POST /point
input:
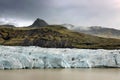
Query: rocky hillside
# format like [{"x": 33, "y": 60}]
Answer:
[{"x": 54, "y": 36}]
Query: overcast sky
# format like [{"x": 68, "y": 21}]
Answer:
[{"x": 77, "y": 12}]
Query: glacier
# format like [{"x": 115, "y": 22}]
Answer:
[{"x": 32, "y": 57}]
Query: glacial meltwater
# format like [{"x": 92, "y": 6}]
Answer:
[{"x": 61, "y": 74}]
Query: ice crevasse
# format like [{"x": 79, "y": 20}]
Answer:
[{"x": 37, "y": 57}]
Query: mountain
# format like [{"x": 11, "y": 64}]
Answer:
[
  {"x": 96, "y": 31},
  {"x": 39, "y": 23},
  {"x": 54, "y": 36},
  {"x": 102, "y": 32},
  {"x": 7, "y": 25}
]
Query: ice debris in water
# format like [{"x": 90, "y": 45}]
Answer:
[{"x": 36, "y": 57}]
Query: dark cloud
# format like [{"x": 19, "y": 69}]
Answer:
[
  {"x": 77, "y": 12},
  {"x": 22, "y": 8}
]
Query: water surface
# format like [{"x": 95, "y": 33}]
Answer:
[{"x": 61, "y": 74}]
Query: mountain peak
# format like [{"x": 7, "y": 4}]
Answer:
[
  {"x": 38, "y": 19},
  {"x": 39, "y": 23}
]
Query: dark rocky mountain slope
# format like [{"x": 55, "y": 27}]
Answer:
[{"x": 39, "y": 23}]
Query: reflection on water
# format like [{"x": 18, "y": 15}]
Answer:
[{"x": 61, "y": 74}]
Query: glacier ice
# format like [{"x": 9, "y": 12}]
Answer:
[{"x": 36, "y": 57}]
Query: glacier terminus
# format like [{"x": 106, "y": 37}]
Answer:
[{"x": 32, "y": 57}]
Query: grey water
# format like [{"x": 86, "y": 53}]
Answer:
[{"x": 62, "y": 74}]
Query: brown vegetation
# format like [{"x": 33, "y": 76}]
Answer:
[{"x": 54, "y": 36}]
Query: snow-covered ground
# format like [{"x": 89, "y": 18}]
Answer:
[{"x": 36, "y": 57}]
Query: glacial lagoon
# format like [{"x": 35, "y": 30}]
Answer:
[{"x": 61, "y": 74}]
